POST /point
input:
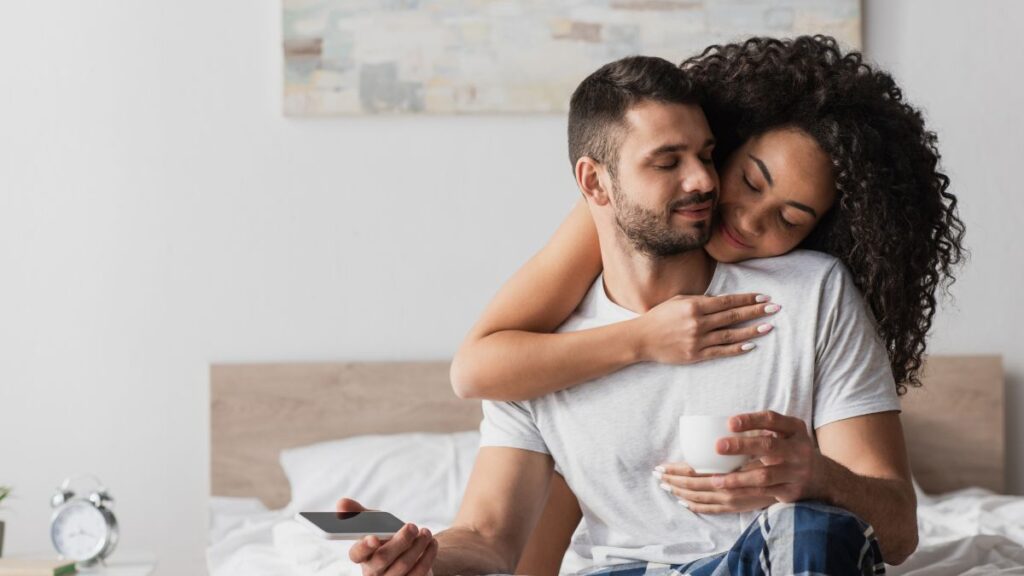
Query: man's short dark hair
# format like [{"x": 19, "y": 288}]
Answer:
[{"x": 598, "y": 107}]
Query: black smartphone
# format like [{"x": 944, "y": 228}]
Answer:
[{"x": 351, "y": 525}]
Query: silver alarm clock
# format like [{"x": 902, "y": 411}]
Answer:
[{"x": 83, "y": 529}]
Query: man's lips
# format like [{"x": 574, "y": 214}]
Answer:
[
  {"x": 696, "y": 211},
  {"x": 733, "y": 238}
]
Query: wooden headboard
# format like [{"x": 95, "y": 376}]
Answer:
[
  {"x": 954, "y": 425},
  {"x": 258, "y": 410}
]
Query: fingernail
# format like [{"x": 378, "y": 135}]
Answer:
[
  {"x": 748, "y": 346},
  {"x": 764, "y": 328},
  {"x": 656, "y": 474},
  {"x": 717, "y": 481},
  {"x": 659, "y": 469},
  {"x": 684, "y": 504},
  {"x": 666, "y": 487},
  {"x": 413, "y": 529},
  {"x": 762, "y": 298},
  {"x": 772, "y": 308}
]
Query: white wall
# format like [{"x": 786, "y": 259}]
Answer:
[
  {"x": 961, "y": 63},
  {"x": 158, "y": 214}
]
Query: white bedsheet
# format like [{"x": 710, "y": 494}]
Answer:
[
  {"x": 969, "y": 532},
  {"x": 247, "y": 539}
]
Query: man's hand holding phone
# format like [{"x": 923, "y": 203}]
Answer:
[{"x": 411, "y": 551}]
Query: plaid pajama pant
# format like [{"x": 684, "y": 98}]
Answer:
[{"x": 804, "y": 538}]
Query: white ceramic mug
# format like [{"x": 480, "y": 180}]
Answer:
[{"x": 698, "y": 436}]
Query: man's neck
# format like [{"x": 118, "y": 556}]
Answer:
[{"x": 639, "y": 282}]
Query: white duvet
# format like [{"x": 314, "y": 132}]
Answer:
[
  {"x": 968, "y": 532},
  {"x": 247, "y": 539}
]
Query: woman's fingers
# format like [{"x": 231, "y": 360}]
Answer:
[
  {"x": 734, "y": 316},
  {"x": 720, "y": 341},
  {"x": 713, "y": 304},
  {"x": 711, "y": 508},
  {"x": 676, "y": 469},
  {"x": 734, "y": 498},
  {"x": 725, "y": 351},
  {"x": 719, "y": 502},
  {"x": 726, "y": 336},
  {"x": 682, "y": 329},
  {"x": 735, "y": 341},
  {"x": 698, "y": 492},
  {"x": 728, "y": 509}
]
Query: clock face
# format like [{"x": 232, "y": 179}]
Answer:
[{"x": 79, "y": 531}]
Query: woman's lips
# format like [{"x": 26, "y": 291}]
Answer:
[{"x": 732, "y": 238}]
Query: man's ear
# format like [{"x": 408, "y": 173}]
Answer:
[{"x": 593, "y": 180}]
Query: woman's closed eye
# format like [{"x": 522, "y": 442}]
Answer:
[
  {"x": 786, "y": 223},
  {"x": 746, "y": 180}
]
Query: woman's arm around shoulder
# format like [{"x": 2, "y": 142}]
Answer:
[{"x": 511, "y": 353}]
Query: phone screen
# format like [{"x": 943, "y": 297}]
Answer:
[{"x": 355, "y": 522}]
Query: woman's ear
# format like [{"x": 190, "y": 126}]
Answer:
[{"x": 593, "y": 180}]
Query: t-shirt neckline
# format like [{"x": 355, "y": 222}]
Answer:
[{"x": 607, "y": 305}]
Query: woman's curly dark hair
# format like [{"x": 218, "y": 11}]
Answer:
[{"x": 894, "y": 224}]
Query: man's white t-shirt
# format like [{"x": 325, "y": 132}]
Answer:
[{"x": 823, "y": 362}]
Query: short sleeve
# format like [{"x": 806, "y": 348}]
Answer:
[
  {"x": 511, "y": 425},
  {"x": 853, "y": 376}
]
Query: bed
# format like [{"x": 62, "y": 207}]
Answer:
[{"x": 289, "y": 437}]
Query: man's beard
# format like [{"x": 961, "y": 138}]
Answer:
[{"x": 651, "y": 233}]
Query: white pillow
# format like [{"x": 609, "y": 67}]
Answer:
[{"x": 418, "y": 477}]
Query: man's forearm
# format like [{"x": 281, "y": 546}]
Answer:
[
  {"x": 466, "y": 551},
  {"x": 890, "y": 506}
]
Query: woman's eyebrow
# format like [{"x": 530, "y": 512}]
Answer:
[
  {"x": 764, "y": 170},
  {"x": 803, "y": 207}
]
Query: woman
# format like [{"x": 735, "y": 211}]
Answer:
[{"x": 816, "y": 150}]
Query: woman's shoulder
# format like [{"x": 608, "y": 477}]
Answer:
[
  {"x": 798, "y": 264},
  {"x": 800, "y": 276}
]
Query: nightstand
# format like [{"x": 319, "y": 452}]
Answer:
[
  {"x": 120, "y": 564},
  {"x": 120, "y": 568}
]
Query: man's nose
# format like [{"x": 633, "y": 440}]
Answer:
[{"x": 701, "y": 178}]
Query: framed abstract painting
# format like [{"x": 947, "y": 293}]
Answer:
[{"x": 345, "y": 57}]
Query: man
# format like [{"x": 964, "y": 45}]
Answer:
[{"x": 640, "y": 144}]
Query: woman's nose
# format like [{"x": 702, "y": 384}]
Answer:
[{"x": 749, "y": 223}]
